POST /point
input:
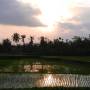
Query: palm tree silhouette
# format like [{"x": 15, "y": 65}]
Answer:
[
  {"x": 16, "y": 37},
  {"x": 31, "y": 40},
  {"x": 23, "y": 39}
]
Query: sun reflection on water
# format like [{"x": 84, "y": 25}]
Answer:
[
  {"x": 27, "y": 80},
  {"x": 49, "y": 80}
]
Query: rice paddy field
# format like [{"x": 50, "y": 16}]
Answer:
[
  {"x": 45, "y": 73},
  {"x": 62, "y": 64}
]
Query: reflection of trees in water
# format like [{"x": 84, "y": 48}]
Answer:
[{"x": 38, "y": 67}]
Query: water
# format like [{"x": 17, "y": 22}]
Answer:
[
  {"x": 47, "y": 67},
  {"x": 29, "y": 80},
  {"x": 33, "y": 75}
]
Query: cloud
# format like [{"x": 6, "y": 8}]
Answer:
[
  {"x": 82, "y": 14},
  {"x": 79, "y": 24},
  {"x": 14, "y": 13},
  {"x": 82, "y": 19}
]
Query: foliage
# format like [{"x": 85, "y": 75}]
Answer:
[{"x": 76, "y": 46}]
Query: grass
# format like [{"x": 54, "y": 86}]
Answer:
[{"x": 61, "y": 64}]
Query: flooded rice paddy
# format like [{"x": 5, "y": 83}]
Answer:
[
  {"x": 38, "y": 74},
  {"x": 27, "y": 80}
]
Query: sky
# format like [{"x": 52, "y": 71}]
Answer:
[{"x": 49, "y": 18}]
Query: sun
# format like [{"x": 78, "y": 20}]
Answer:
[{"x": 52, "y": 11}]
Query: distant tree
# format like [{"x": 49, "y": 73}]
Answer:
[
  {"x": 56, "y": 42},
  {"x": 60, "y": 38},
  {"x": 50, "y": 44},
  {"x": 23, "y": 39},
  {"x": 16, "y": 37},
  {"x": 43, "y": 41},
  {"x": 6, "y": 42},
  {"x": 89, "y": 36},
  {"x": 6, "y": 45},
  {"x": 77, "y": 39},
  {"x": 67, "y": 40},
  {"x": 31, "y": 40},
  {"x": 77, "y": 46}
]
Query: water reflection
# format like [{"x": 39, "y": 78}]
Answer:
[
  {"x": 38, "y": 67},
  {"x": 27, "y": 80},
  {"x": 42, "y": 67},
  {"x": 62, "y": 80},
  {"x": 48, "y": 80}
]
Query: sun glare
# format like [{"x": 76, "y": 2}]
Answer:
[{"x": 52, "y": 11}]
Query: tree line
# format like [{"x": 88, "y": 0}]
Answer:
[{"x": 77, "y": 46}]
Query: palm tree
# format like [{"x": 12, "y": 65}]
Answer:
[
  {"x": 16, "y": 37},
  {"x": 43, "y": 41},
  {"x": 31, "y": 40},
  {"x": 23, "y": 39}
]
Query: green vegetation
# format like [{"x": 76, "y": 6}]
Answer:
[
  {"x": 77, "y": 46},
  {"x": 61, "y": 64}
]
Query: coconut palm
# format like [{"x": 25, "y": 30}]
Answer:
[
  {"x": 31, "y": 40},
  {"x": 16, "y": 37},
  {"x": 23, "y": 39}
]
